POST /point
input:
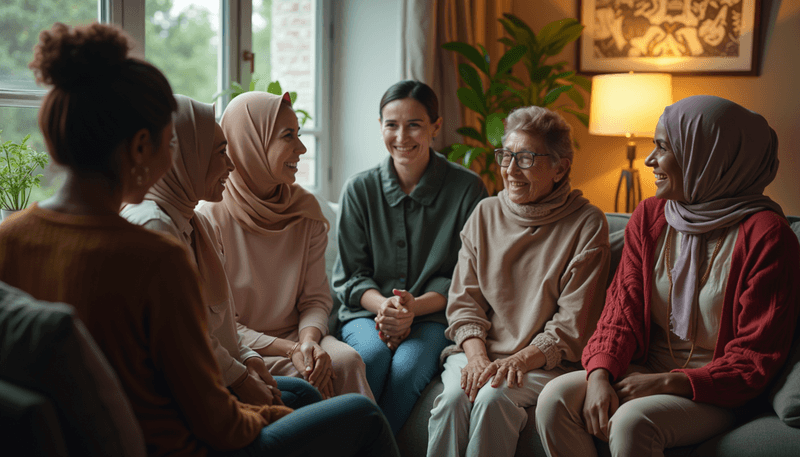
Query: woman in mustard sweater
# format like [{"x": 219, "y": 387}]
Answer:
[{"x": 107, "y": 121}]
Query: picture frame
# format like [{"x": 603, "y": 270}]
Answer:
[{"x": 680, "y": 37}]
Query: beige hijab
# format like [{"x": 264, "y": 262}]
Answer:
[
  {"x": 184, "y": 184},
  {"x": 253, "y": 196}
]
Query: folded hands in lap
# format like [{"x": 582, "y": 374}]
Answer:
[
  {"x": 257, "y": 386},
  {"x": 394, "y": 318}
]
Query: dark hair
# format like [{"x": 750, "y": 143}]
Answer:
[
  {"x": 419, "y": 91},
  {"x": 100, "y": 97}
]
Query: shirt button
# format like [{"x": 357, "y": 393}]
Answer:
[{"x": 401, "y": 244}]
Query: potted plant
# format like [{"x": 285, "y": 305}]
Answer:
[
  {"x": 19, "y": 164},
  {"x": 546, "y": 83},
  {"x": 273, "y": 88}
]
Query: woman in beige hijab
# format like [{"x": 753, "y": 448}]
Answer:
[
  {"x": 273, "y": 236},
  {"x": 199, "y": 172}
]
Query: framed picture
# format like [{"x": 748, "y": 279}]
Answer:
[{"x": 682, "y": 37}]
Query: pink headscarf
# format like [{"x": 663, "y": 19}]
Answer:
[
  {"x": 728, "y": 155},
  {"x": 184, "y": 184},
  {"x": 253, "y": 196}
]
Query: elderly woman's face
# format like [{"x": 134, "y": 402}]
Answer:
[
  {"x": 669, "y": 176},
  {"x": 530, "y": 185}
]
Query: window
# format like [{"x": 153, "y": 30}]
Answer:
[
  {"x": 20, "y": 24},
  {"x": 191, "y": 41}
]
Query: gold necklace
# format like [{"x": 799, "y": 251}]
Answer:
[{"x": 703, "y": 280}]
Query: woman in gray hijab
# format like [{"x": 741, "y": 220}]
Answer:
[{"x": 701, "y": 312}]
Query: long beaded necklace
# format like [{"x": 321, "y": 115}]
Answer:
[{"x": 668, "y": 262}]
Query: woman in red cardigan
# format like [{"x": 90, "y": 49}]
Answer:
[{"x": 702, "y": 309}]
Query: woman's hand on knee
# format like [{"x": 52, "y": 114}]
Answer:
[
  {"x": 638, "y": 385},
  {"x": 511, "y": 369},
  {"x": 472, "y": 373},
  {"x": 318, "y": 368},
  {"x": 600, "y": 404}
]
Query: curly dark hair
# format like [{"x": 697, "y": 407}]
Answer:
[{"x": 100, "y": 97}]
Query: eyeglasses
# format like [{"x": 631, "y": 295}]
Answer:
[{"x": 524, "y": 159}]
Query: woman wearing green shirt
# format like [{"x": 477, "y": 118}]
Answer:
[{"x": 399, "y": 228}]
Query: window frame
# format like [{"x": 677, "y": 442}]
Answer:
[{"x": 234, "y": 15}]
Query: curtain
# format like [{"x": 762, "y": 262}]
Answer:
[{"x": 425, "y": 26}]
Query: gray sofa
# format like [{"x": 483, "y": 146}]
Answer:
[{"x": 760, "y": 432}]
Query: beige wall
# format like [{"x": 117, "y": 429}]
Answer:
[{"x": 775, "y": 94}]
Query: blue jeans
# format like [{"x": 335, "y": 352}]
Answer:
[
  {"x": 397, "y": 380},
  {"x": 347, "y": 425},
  {"x": 296, "y": 392}
]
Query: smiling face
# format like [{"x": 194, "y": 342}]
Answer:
[
  {"x": 219, "y": 167},
  {"x": 408, "y": 132},
  {"x": 669, "y": 176},
  {"x": 285, "y": 148},
  {"x": 533, "y": 184}
]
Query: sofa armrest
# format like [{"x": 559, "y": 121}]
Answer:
[{"x": 28, "y": 423}]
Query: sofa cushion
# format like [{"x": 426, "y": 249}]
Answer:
[
  {"x": 785, "y": 395},
  {"x": 28, "y": 423},
  {"x": 45, "y": 348}
]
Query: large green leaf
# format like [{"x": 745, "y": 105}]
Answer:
[
  {"x": 563, "y": 37},
  {"x": 553, "y": 95},
  {"x": 471, "y": 54},
  {"x": 507, "y": 41},
  {"x": 583, "y": 117},
  {"x": 576, "y": 97},
  {"x": 275, "y": 88},
  {"x": 582, "y": 81},
  {"x": 486, "y": 58},
  {"x": 471, "y": 133},
  {"x": 473, "y": 154},
  {"x": 293, "y": 97},
  {"x": 495, "y": 129},
  {"x": 541, "y": 73},
  {"x": 510, "y": 58},
  {"x": 471, "y": 100},
  {"x": 456, "y": 151},
  {"x": 470, "y": 76},
  {"x": 520, "y": 24},
  {"x": 498, "y": 88}
]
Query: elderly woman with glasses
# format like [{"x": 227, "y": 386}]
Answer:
[{"x": 526, "y": 293}]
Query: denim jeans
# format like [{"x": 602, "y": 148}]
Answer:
[
  {"x": 296, "y": 392},
  {"x": 397, "y": 380},
  {"x": 347, "y": 425}
]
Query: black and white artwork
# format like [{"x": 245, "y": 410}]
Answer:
[{"x": 675, "y": 36}]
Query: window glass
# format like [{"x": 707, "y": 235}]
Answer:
[
  {"x": 20, "y": 24},
  {"x": 182, "y": 39},
  {"x": 285, "y": 47}
]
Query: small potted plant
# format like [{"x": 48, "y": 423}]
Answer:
[{"x": 18, "y": 166}]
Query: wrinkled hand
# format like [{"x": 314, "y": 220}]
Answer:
[
  {"x": 257, "y": 387},
  {"x": 395, "y": 316},
  {"x": 638, "y": 385},
  {"x": 315, "y": 365},
  {"x": 471, "y": 374},
  {"x": 511, "y": 369},
  {"x": 600, "y": 404}
]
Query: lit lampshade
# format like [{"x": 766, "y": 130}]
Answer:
[{"x": 628, "y": 103}]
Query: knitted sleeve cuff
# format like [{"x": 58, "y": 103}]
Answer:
[
  {"x": 467, "y": 331},
  {"x": 548, "y": 347}
]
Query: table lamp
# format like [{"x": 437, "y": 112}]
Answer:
[{"x": 628, "y": 104}]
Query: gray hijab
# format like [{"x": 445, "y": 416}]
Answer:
[{"x": 728, "y": 155}]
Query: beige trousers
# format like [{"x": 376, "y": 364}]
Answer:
[
  {"x": 491, "y": 425},
  {"x": 351, "y": 374},
  {"x": 642, "y": 427}
]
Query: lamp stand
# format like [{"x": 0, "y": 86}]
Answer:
[{"x": 633, "y": 185}]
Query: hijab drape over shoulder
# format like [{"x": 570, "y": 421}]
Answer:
[
  {"x": 184, "y": 185},
  {"x": 254, "y": 196},
  {"x": 728, "y": 155}
]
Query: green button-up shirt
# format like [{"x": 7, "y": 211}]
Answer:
[{"x": 390, "y": 240}]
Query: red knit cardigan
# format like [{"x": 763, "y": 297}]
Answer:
[{"x": 758, "y": 315}]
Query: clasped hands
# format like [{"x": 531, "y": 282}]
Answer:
[
  {"x": 603, "y": 399},
  {"x": 257, "y": 386},
  {"x": 394, "y": 318},
  {"x": 314, "y": 364}
]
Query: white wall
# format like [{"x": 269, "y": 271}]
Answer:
[{"x": 364, "y": 62}]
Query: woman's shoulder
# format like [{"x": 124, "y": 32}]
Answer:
[{"x": 145, "y": 212}]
